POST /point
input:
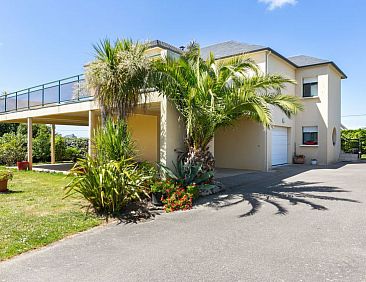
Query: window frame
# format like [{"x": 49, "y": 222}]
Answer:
[
  {"x": 313, "y": 81},
  {"x": 312, "y": 142}
]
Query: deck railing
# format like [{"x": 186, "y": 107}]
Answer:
[{"x": 67, "y": 90}]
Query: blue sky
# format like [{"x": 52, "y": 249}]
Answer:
[{"x": 41, "y": 41}]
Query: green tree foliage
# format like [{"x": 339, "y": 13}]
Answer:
[
  {"x": 60, "y": 148},
  {"x": 8, "y": 128},
  {"x": 42, "y": 145},
  {"x": 212, "y": 94},
  {"x": 351, "y": 139},
  {"x": 117, "y": 76},
  {"x": 12, "y": 148}
]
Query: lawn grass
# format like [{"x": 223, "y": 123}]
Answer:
[{"x": 35, "y": 214}]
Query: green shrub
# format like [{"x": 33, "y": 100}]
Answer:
[
  {"x": 13, "y": 148},
  {"x": 80, "y": 143},
  {"x": 112, "y": 179},
  {"x": 60, "y": 148},
  {"x": 6, "y": 175},
  {"x": 177, "y": 199},
  {"x": 114, "y": 141},
  {"x": 42, "y": 145},
  {"x": 162, "y": 186},
  {"x": 108, "y": 186},
  {"x": 72, "y": 153}
]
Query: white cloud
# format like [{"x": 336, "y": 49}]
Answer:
[{"x": 274, "y": 4}]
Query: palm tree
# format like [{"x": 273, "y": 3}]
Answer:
[
  {"x": 212, "y": 94},
  {"x": 118, "y": 76}
]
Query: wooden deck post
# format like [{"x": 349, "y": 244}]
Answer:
[
  {"x": 93, "y": 121},
  {"x": 53, "y": 148},
  {"x": 30, "y": 143}
]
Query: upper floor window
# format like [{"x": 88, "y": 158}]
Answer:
[
  {"x": 310, "y": 135},
  {"x": 310, "y": 87}
]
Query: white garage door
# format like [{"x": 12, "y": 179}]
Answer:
[{"x": 279, "y": 145}]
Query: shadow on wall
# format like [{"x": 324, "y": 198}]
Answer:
[{"x": 259, "y": 188}]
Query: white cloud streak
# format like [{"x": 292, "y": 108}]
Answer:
[{"x": 274, "y": 4}]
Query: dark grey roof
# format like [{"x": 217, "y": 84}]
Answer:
[
  {"x": 232, "y": 48},
  {"x": 303, "y": 61},
  {"x": 229, "y": 48},
  {"x": 164, "y": 45},
  {"x": 307, "y": 61}
]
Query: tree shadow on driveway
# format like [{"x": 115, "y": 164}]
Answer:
[{"x": 260, "y": 188}]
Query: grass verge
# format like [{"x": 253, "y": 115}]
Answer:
[{"x": 34, "y": 213}]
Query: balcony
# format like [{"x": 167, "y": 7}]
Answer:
[{"x": 59, "y": 92}]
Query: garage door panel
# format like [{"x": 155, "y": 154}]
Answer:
[{"x": 279, "y": 145}]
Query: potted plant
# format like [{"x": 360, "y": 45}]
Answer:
[
  {"x": 299, "y": 159},
  {"x": 314, "y": 161},
  {"x": 5, "y": 175},
  {"x": 157, "y": 190},
  {"x": 23, "y": 165}
]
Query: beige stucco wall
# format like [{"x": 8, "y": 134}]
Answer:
[
  {"x": 144, "y": 130},
  {"x": 315, "y": 114},
  {"x": 241, "y": 146},
  {"x": 171, "y": 133},
  {"x": 278, "y": 66},
  {"x": 334, "y": 115}
]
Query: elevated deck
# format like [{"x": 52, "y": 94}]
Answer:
[{"x": 64, "y": 101}]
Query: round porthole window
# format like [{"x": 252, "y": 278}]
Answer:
[{"x": 334, "y": 136}]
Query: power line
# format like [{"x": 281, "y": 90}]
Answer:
[{"x": 358, "y": 115}]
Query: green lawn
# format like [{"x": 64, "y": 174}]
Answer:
[{"x": 35, "y": 214}]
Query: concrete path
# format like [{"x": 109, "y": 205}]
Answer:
[{"x": 292, "y": 224}]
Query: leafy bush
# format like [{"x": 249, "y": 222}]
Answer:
[
  {"x": 177, "y": 199},
  {"x": 72, "y": 153},
  {"x": 351, "y": 139},
  {"x": 42, "y": 145},
  {"x": 108, "y": 186},
  {"x": 114, "y": 141},
  {"x": 161, "y": 186},
  {"x": 60, "y": 148},
  {"x": 6, "y": 175},
  {"x": 80, "y": 143},
  {"x": 12, "y": 148},
  {"x": 111, "y": 179}
]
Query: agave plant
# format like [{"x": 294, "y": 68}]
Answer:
[
  {"x": 212, "y": 94},
  {"x": 187, "y": 174}
]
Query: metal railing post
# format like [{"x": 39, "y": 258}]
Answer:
[
  {"x": 42, "y": 95},
  {"x": 28, "y": 98},
  {"x": 78, "y": 87},
  {"x": 59, "y": 91},
  {"x": 6, "y": 97},
  {"x": 16, "y": 101}
]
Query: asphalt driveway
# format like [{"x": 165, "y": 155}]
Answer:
[{"x": 293, "y": 224}]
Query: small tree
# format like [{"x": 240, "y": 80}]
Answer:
[
  {"x": 118, "y": 76},
  {"x": 12, "y": 148}
]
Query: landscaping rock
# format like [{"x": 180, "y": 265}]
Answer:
[{"x": 218, "y": 187}]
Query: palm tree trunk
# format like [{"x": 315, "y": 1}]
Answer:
[{"x": 201, "y": 156}]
